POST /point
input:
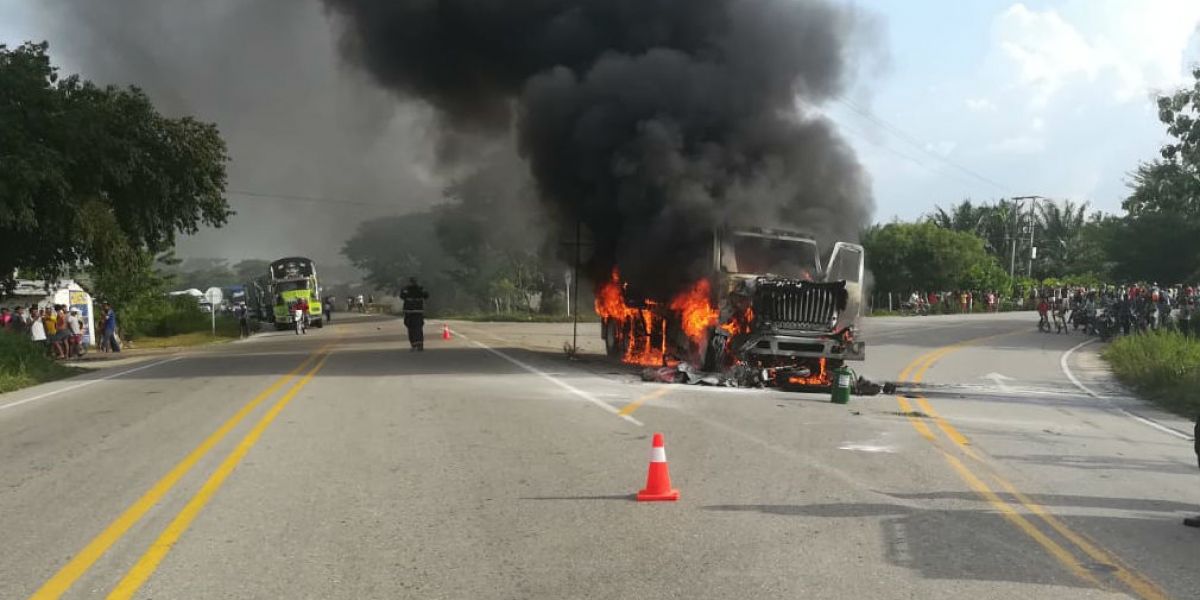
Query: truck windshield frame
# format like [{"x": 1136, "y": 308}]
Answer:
[{"x": 782, "y": 256}]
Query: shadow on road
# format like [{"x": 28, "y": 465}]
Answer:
[
  {"x": 966, "y": 544},
  {"x": 625, "y": 497},
  {"x": 1132, "y": 504}
]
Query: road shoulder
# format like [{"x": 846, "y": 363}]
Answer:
[{"x": 1089, "y": 372}]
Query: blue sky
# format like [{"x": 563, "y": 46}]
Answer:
[{"x": 984, "y": 99}]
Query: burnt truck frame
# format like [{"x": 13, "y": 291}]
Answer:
[{"x": 805, "y": 314}]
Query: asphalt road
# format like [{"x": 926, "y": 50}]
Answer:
[{"x": 340, "y": 465}]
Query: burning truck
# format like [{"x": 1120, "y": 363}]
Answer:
[{"x": 766, "y": 313}]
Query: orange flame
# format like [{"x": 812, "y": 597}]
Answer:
[
  {"x": 740, "y": 322},
  {"x": 696, "y": 311},
  {"x": 645, "y": 329},
  {"x": 820, "y": 378}
]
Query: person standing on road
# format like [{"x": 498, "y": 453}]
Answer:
[
  {"x": 243, "y": 317},
  {"x": 414, "y": 297},
  {"x": 1043, "y": 309},
  {"x": 37, "y": 330},
  {"x": 1195, "y": 521},
  {"x": 109, "y": 339},
  {"x": 53, "y": 337},
  {"x": 75, "y": 330}
]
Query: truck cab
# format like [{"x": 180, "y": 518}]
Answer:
[{"x": 801, "y": 308}]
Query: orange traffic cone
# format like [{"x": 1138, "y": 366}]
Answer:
[
  {"x": 445, "y": 331},
  {"x": 658, "y": 480}
]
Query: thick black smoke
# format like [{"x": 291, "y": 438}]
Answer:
[{"x": 652, "y": 120}]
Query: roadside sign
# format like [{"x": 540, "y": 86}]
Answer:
[{"x": 213, "y": 296}]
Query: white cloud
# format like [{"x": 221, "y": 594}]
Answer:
[
  {"x": 1134, "y": 47},
  {"x": 1018, "y": 144},
  {"x": 980, "y": 105}
]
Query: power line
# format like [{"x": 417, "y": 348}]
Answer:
[
  {"x": 918, "y": 144},
  {"x": 844, "y": 126},
  {"x": 313, "y": 199}
]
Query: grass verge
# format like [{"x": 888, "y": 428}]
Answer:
[
  {"x": 1163, "y": 367},
  {"x": 183, "y": 340},
  {"x": 23, "y": 363}
]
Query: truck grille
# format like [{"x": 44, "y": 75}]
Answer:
[{"x": 799, "y": 305}]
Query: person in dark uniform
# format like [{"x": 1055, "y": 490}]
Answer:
[
  {"x": 414, "y": 297},
  {"x": 1195, "y": 521}
]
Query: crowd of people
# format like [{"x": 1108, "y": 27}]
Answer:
[
  {"x": 59, "y": 330},
  {"x": 1106, "y": 311},
  {"x": 960, "y": 301}
]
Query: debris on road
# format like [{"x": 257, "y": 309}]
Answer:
[{"x": 744, "y": 376}]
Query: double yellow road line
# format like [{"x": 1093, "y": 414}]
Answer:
[
  {"x": 1067, "y": 546},
  {"x": 62, "y": 581}
]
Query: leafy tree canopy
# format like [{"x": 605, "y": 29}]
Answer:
[
  {"x": 922, "y": 256},
  {"x": 86, "y": 170}
]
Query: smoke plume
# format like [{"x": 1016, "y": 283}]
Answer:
[
  {"x": 652, "y": 121},
  {"x": 298, "y": 122}
]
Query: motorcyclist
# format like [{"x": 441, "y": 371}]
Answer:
[
  {"x": 414, "y": 297},
  {"x": 300, "y": 315}
]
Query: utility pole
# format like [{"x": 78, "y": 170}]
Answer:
[
  {"x": 1032, "y": 228},
  {"x": 573, "y": 280}
]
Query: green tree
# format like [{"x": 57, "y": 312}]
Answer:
[
  {"x": 904, "y": 257},
  {"x": 1060, "y": 231},
  {"x": 1159, "y": 237},
  {"x": 84, "y": 168},
  {"x": 966, "y": 216}
]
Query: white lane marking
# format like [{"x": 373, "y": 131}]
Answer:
[
  {"x": 86, "y": 383},
  {"x": 1066, "y": 369},
  {"x": 999, "y": 380},
  {"x": 867, "y": 448},
  {"x": 552, "y": 379}
]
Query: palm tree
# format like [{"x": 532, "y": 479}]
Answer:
[
  {"x": 966, "y": 216},
  {"x": 1061, "y": 225}
]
